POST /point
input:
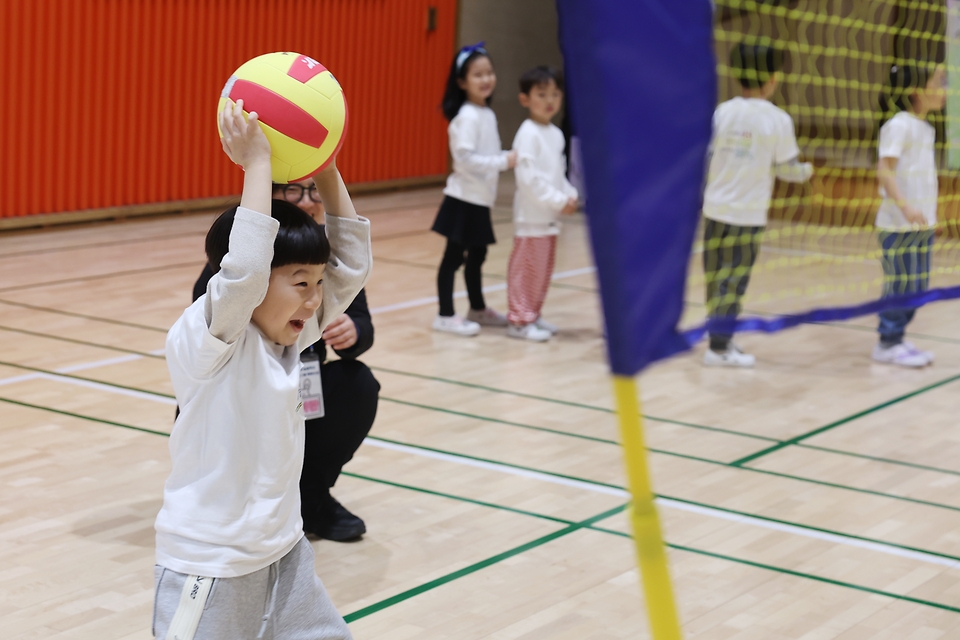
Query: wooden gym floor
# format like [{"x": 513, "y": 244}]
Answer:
[{"x": 492, "y": 482}]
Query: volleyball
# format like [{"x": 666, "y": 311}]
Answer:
[{"x": 301, "y": 107}]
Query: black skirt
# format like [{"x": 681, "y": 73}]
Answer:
[{"x": 465, "y": 223}]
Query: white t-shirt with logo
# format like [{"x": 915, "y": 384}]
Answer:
[
  {"x": 750, "y": 136},
  {"x": 911, "y": 141}
]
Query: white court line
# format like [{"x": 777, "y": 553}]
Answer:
[
  {"x": 671, "y": 504},
  {"x": 500, "y": 468},
  {"x": 567, "y": 482},
  {"x": 99, "y": 363},
  {"x": 72, "y": 368},
  {"x": 23, "y": 378},
  {"x": 422, "y": 302},
  {"x": 101, "y": 386},
  {"x": 493, "y": 466}
]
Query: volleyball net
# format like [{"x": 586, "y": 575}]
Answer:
[{"x": 820, "y": 256}]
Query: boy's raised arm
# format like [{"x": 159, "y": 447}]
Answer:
[
  {"x": 333, "y": 193},
  {"x": 244, "y": 143},
  {"x": 244, "y": 275},
  {"x": 351, "y": 256}
]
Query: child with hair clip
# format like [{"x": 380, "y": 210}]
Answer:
[
  {"x": 907, "y": 172},
  {"x": 464, "y": 215}
]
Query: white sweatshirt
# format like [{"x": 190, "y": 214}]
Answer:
[
  {"x": 542, "y": 186},
  {"x": 477, "y": 156},
  {"x": 231, "y": 505}
]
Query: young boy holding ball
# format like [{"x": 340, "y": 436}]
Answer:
[{"x": 232, "y": 561}]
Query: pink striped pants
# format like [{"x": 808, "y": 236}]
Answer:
[{"x": 528, "y": 277}]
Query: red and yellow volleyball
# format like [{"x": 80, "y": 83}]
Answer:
[{"x": 301, "y": 108}]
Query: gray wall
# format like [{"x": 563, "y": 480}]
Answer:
[{"x": 520, "y": 34}]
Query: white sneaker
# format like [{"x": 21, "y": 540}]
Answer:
[
  {"x": 900, "y": 355},
  {"x": 528, "y": 332},
  {"x": 488, "y": 318},
  {"x": 732, "y": 357},
  {"x": 926, "y": 354},
  {"x": 455, "y": 324},
  {"x": 547, "y": 326}
]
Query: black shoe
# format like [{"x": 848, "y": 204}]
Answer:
[{"x": 332, "y": 521}]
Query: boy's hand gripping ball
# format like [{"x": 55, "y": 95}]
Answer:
[{"x": 302, "y": 111}]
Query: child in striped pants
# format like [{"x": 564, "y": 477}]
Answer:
[{"x": 543, "y": 193}]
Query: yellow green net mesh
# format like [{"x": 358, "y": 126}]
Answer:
[{"x": 820, "y": 248}]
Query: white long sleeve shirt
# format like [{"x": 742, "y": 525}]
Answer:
[
  {"x": 542, "y": 186},
  {"x": 478, "y": 158},
  {"x": 231, "y": 505}
]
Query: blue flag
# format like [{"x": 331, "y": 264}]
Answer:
[{"x": 641, "y": 76}]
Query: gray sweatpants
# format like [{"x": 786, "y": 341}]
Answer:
[{"x": 285, "y": 601}]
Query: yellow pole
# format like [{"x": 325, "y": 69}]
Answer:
[{"x": 647, "y": 536}]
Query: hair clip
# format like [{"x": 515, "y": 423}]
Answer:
[{"x": 467, "y": 50}]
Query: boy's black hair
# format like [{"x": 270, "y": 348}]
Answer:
[
  {"x": 454, "y": 96},
  {"x": 540, "y": 76},
  {"x": 753, "y": 63},
  {"x": 905, "y": 79},
  {"x": 300, "y": 239}
]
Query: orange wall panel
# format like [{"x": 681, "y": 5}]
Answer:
[{"x": 113, "y": 102}]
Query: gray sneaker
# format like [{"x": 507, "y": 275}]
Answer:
[{"x": 487, "y": 318}]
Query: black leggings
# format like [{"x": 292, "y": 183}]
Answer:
[{"x": 456, "y": 255}]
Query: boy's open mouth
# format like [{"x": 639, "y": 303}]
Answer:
[{"x": 297, "y": 325}]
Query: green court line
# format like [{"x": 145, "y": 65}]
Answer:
[
  {"x": 497, "y": 462},
  {"x": 498, "y": 421},
  {"x": 590, "y": 407},
  {"x": 752, "y": 516},
  {"x": 822, "y": 483},
  {"x": 103, "y": 276},
  {"x": 901, "y": 463},
  {"x": 72, "y": 314},
  {"x": 83, "y": 342},
  {"x": 659, "y": 451},
  {"x": 584, "y": 524},
  {"x": 573, "y": 526},
  {"x": 73, "y": 377},
  {"x": 94, "y": 245},
  {"x": 676, "y": 454},
  {"x": 450, "y": 496},
  {"x": 83, "y": 417},
  {"x": 842, "y": 421},
  {"x": 791, "y": 572},
  {"x": 808, "y": 527},
  {"x": 573, "y": 287},
  {"x": 809, "y": 576},
  {"x": 450, "y": 577}
]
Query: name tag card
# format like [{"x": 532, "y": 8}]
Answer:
[{"x": 311, "y": 391}]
